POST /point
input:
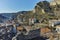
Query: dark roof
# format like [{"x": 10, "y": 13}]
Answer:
[{"x": 57, "y": 23}]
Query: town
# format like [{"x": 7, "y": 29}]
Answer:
[{"x": 41, "y": 23}]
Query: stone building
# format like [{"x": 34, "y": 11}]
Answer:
[{"x": 54, "y": 2}]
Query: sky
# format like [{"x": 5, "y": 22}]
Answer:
[{"x": 9, "y": 6}]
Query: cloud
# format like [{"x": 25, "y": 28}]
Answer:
[{"x": 7, "y": 11}]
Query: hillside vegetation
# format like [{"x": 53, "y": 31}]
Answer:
[{"x": 42, "y": 10}]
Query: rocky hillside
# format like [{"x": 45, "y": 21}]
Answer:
[{"x": 42, "y": 9}]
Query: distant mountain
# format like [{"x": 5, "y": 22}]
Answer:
[
  {"x": 42, "y": 9},
  {"x": 10, "y": 15},
  {"x": 3, "y": 18}
]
